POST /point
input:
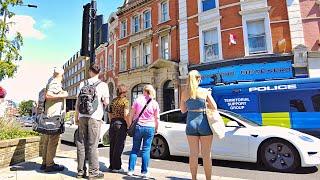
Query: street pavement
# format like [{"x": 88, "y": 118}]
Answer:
[
  {"x": 30, "y": 171},
  {"x": 220, "y": 168}
]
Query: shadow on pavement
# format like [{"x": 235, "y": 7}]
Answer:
[
  {"x": 135, "y": 177},
  {"x": 176, "y": 178},
  {"x": 33, "y": 166}
]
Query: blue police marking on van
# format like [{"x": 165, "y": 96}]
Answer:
[{"x": 291, "y": 103}]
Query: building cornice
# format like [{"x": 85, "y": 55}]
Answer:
[{"x": 128, "y": 7}]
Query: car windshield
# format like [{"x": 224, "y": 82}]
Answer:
[{"x": 238, "y": 116}]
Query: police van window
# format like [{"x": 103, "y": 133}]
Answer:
[
  {"x": 316, "y": 102},
  {"x": 297, "y": 105},
  {"x": 293, "y": 101},
  {"x": 177, "y": 117}
]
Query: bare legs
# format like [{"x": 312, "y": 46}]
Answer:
[{"x": 206, "y": 144}]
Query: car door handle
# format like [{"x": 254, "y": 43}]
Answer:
[{"x": 168, "y": 127}]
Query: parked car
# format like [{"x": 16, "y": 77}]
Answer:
[
  {"x": 280, "y": 149},
  {"x": 27, "y": 121},
  {"x": 71, "y": 130}
]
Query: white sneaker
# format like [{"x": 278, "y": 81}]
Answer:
[
  {"x": 130, "y": 173},
  {"x": 145, "y": 176}
]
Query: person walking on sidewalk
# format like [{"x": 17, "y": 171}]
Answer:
[
  {"x": 193, "y": 101},
  {"x": 92, "y": 99},
  {"x": 54, "y": 97},
  {"x": 119, "y": 111},
  {"x": 146, "y": 127}
]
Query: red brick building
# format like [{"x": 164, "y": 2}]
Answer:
[
  {"x": 233, "y": 32},
  {"x": 236, "y": 32},
  {"x": 147, "y": 48}
]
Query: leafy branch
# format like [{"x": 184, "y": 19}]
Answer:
[{"x": 9, "y": 46}]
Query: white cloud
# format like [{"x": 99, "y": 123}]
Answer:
[
  {"x": 28, "y": 81},
  {"x": 46, "y": 24},
  {"x": 24, "y": 25}
]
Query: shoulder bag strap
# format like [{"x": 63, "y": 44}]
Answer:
[
  {"x": 145, "y": 106},
  {"x": 96, "y": 83}
]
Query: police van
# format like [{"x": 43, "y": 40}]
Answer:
[{"x": 291, "y": 103}]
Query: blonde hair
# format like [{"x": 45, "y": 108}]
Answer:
[
  {"x": 193, "y": 83},
  {"x": 150, "y": 90}
]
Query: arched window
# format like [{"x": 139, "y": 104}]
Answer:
[
  {"x": 136, "y": 91},
  {"x": 168, "y": 96}
]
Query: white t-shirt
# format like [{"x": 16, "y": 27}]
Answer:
[
  {"x": 54, "y": 107},
  {"x": 102, "y": 93}
]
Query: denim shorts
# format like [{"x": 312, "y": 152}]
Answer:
[{"x": 197, "y": 124}]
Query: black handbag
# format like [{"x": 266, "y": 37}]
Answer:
[
  {"x": 49, "y": 125},
  {"x": 132, "y": 127}
]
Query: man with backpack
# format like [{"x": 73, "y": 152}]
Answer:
[
  {"x": 52, "y": 100},
  {"x": 91, "y": 102}
]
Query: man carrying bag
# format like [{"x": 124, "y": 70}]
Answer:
[{"x": 50, "y": 119}]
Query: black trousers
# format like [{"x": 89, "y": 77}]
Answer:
[{"x": 117, "y": 135}]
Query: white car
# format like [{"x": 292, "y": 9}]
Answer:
[
  {"x": 71, "y": 130},
  {"x": 280, "y": 149}
]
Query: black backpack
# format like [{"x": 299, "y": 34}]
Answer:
[{"x": 88, "y": 98}]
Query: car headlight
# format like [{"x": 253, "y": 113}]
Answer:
[{"x": 305, "y": 138}]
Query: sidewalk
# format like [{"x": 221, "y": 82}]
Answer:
[{"x": 30, "y": 171}]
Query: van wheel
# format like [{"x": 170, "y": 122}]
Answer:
[
  {"x": 279, "y": 155},
  {"x": 159, "y": 148}
]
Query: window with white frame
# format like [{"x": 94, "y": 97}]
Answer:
[
  {"x": 146, "y": 53},
  {"x": 256, "y": 37},
  {"x": 210, "y": 45},
  {"x": 82, "y": 75},
  {"x": 135, "y": 57},
  {"x": 208, "y": 4},
  {"x": 147, "y": 19},
  {"x": 164, "y": 11},
  {"x": 165, "y": 47},
  {"x": 123, "y": 60},
  {"x": 135, "y": 24},
  {"x": 110, "y": 62},
  {"x": 123, "y": 32}
]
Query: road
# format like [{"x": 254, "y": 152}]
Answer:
[{"x": 220, "y": 168}]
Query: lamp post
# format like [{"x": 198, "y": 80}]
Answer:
[{"x": 29, "y": 5}]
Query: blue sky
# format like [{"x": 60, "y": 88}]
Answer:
[{"x": 52, "y": 34}]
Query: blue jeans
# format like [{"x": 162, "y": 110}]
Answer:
[{"x": 145, "y": 135}]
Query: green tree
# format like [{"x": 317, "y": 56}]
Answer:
[
  {"x": 25, "y": 107},
  {"x": 9, "y": 46}
]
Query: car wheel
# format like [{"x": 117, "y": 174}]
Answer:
[
  {"x": 75, "y": 137},
  {"x": 279, "y": 155},
  {"x": 159, "y": 148}
]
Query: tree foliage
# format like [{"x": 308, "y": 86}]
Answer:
[
  {"x": 25, "y": 107},
  {"x": 9, "y": 46}
]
